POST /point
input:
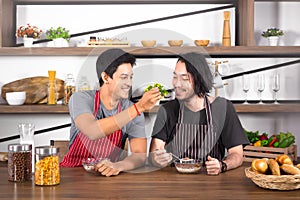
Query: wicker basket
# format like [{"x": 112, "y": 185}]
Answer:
[{"x": 283, "y": 182}]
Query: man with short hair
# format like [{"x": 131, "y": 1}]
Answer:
[{"x": 102, "y": 119}]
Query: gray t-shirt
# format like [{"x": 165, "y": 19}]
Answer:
[{"x": 83, "y": 102}]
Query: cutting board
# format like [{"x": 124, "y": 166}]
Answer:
[{"x": 35, "y": 87}]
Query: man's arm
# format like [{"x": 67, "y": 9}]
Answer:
[
  {"x": 138, "y": 147},
  {"x": 235, "y": 157},
  {"x": 158, "y": 155},
  {"x": 233, "y": 160},
  {"x": 95, "y": 129}
]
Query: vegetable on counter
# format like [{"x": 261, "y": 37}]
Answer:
[
  {"x": 252, "y": 136},
  {"x": 272, "y": 141},
  {"x": 281, "y": 140},
  {"x": 263, "y": 136},
  {"x": 257, "y": 143},
  {"x": 264, "y": 143}
]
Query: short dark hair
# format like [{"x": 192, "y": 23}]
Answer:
[
  {"x": 197, "y": 66},
  {"x": 110, "y": 65}
]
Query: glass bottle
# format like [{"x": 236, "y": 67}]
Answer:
[
  {"x": 69, "y": 88},
  {"x": 19, "y": 162},
  {"x": 84, "y": 84},
  {"x": 26, "y": 131},
  {"x": 52, "y": 97},
  {"x": 47, "y": 166}
]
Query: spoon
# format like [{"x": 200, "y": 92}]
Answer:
[{"x": 176, "y": 157}]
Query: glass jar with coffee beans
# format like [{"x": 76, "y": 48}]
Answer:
[{"x": 19, "y": 162}]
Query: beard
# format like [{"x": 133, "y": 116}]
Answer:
[{"x": 186, "y": 95}]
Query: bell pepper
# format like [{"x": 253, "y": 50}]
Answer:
[
  {"x": 257, "y": 144},
  {"x": 276, "y": 144},
  {"x": 264, "y": 143}
]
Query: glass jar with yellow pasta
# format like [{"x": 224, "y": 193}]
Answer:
[{"x": 46, "y": 166}]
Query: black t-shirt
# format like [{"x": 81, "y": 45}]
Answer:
[{"x": 231, "y": 134}]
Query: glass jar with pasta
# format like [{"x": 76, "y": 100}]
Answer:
[{"x": 46, "y": 166}]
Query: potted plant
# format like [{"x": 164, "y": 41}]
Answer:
[
  {"x": 59, "y": 35},
  {"x": 273, "y": 35},
  {"x": 28, "y": 33}
]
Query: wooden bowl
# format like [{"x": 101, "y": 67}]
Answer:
[
  {"x": 175, "y": 43},
  {"x": 148, "y": 43},
  {"x": 201, "y": 42}
]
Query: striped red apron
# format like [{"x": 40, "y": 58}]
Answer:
[
  {"x": 83, "y": 147},
  {"x": 193, "y": 140}
]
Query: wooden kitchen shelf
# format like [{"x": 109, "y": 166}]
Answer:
[
  {"x": 159, "y": 52},
  {"x": 123, "y": 1},
  {"x": 257, "y": 108},
  {"x": 63, "y": 109},
  {"x": 34, "y": 109}
]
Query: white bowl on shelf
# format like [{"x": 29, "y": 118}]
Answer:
[{"x": 15, "y": 98}]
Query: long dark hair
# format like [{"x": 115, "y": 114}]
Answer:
[{"x": 197, "y": 66}]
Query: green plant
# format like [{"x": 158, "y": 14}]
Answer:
[
  {"x": 59, "y": 32},
  {"x": 28, "y": 31},
  {"x": 272, "y": 32},
  {"x": 161, "y": 88}
]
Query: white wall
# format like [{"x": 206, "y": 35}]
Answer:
[
  {"x": 205, "y": 26},
  {"x": 82, "y": 18}
]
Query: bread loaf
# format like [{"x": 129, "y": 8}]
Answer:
[
  {"x": 284, "y": 159},
  {"x": 274, "y": 167},
  {"x": 290, "y": 169},
  {"x": 260, "y": 165},
  {"x": 3, "y": 156}
]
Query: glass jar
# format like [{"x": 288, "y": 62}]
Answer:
[
  {"x": 69, "y": 88},
  {"x": 19, "y": 162},
  {"x": 46, "y": 166},
  {"x": 84, "y": 84},
  {"x": 52, "y": 93}
]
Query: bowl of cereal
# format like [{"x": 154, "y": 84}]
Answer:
[
  {"x": 188, "y": 166},
  {"x": 90, "y": 163}
]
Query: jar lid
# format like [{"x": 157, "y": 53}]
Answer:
[
  {"x": 46, "y": 150},
  {"x": 19, "y": 147}
]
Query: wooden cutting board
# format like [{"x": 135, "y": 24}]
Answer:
[{"x": 35, "y": 87}]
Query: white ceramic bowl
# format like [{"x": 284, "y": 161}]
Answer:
[{"x": 15, "y": 98}]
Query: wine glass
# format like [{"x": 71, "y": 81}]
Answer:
[
  {"x": 246, "y": 86},
  {"x": 276, "y": 86},
  {"x": 261, "y": 86}
]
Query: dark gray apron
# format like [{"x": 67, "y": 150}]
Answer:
[{"x": 194, "y": 140}]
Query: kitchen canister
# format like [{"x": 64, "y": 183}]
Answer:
[
  {"x": 46, "y": 166},
  {"x": 19, "y": 162},
  {"x": 69, "y": 88}
]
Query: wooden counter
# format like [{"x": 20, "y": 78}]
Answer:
[
  {"x": 157, "y": 184},
  {"x": 62, "y": 109}
]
